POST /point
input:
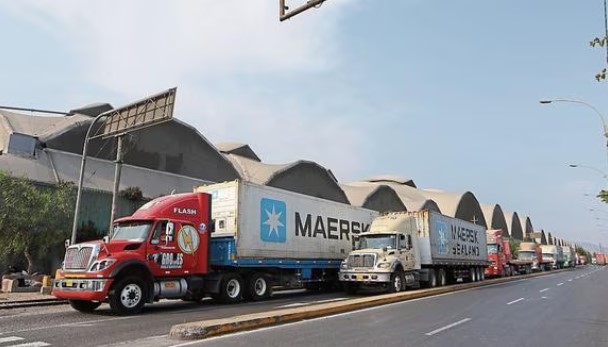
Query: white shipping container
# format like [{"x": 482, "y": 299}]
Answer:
[
  {"x": 272, "y": 223},
  {"x": 445, "y": 240}
]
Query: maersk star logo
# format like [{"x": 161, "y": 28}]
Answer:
[
  {"x": 442, "y": 246},
  {"x": 273, "y": 220}
]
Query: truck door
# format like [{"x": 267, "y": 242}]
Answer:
[
  {"x": 164, "y": 256},
  {"x": 406, "y": 254}
]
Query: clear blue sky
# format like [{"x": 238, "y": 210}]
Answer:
[{"x": 444, "y": 92}]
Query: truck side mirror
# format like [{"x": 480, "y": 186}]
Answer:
[
  {"x": 169, "y": 231},
  {"x": 106, "y": 239},
  {"x": 409, "y": 241},
  {"x": 67, "y": 243}
]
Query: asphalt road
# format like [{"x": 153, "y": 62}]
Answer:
[
  {"x": 544, "y": 311},
  {"x": 563, "y": 309},
  {"x": 62, "y": 326}
]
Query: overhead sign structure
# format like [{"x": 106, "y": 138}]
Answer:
[
  {"x": 285, "y": 12},
  {"x": 140, "y": 114},
  {"x": 147, "y": 112}
]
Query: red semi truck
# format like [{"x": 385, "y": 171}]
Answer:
[
  {"x": 499, "y": 254},
  {"x": 262, "y": 237}
]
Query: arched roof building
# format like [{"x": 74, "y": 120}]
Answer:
[
  {"x": 459, "y": 205},
  {"x": 153, "y": 148},
  {"x": 410, "y": 197},
  {"x": 378, "y": 197},
  {"x": 526, "y": 225},
  {"x": 495, "y": 218},
  {"x": 539, "y": 237},
  {"x": 305, "y": 177},
  {"x": 516, "y": 231}
]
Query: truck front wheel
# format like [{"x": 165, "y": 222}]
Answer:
[
  {"x": 396, "y": 284},
  {"x": 128, "y": 296},
  {"x": 84, "y": 306}
]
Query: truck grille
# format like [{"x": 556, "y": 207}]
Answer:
[
  {"x": 77, "y": 258},
  {"x": 361, "y": 260}
]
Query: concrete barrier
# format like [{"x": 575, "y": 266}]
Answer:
[{"x": 208, "y": 328}]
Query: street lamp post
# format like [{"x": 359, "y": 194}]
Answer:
[
  {"x": 591, "y": 168},
  {"x": 599, "y": 114}
]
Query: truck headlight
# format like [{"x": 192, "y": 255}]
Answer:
[
  {"x": 343, "y": 266},
  {"x": 102, "y": 264},
  {"x": 384, "y": 265}
]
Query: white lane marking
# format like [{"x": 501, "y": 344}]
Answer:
[
  {"x": 559, "y": 284},
  {"x": 295, "y": 304},
  {"x": 308, "y": 321},
  {"x": 32, "y": 344},
  {"x": 514, "y": 301},
  {"x": 544, "y": 297},
  {"x": 10, "y": 339},
  {"x": 447, "y": 327},
  {"x": 543, "y": 290},
  {"x": 570, "y": 280}
]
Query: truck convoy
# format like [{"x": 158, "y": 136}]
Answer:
[
  {"x": 230, "y": 240},
  {"x": 409, "y": 249},
  {"x": 503, "y": 263}
]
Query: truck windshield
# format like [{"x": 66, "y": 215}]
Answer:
[
  {"x": 523, "y": 255},
  {"x": 492, "y": 249},
  {"x": 133, "y": 231},
  {"x": 378, "y": 241},
  {"x": 548, "y": 255}
]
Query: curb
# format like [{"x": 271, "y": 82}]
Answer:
[{"x": 216, "y": 327}]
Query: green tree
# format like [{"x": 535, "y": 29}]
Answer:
[
  {"x": 514, "y": 245},
  {"x": 603, "y": 195},
  {"x": 33, "y": 219}
]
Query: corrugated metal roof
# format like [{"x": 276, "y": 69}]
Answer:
[{"x": 99, "y": 174}]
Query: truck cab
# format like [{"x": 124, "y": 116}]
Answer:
[
  {"x": 550, "y": 254},
  {"x": 385, "y": 256},
  {"x": 161, "y": 251}
]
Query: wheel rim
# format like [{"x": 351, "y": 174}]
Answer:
[
  {"x": 397, "y": 283},
  {"x": 130, "y": 296},
  {"x": 259, "y": 286},
  {"x": 233, "y": 288},
  {"x": 433, "y": 279}
]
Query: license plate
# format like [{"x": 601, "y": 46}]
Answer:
[
  {"x": 359, "y": 277},
  {"x": 69, "y": 283}
]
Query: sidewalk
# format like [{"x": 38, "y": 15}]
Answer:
[{"x": 25, "y": 297}]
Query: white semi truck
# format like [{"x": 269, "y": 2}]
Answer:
[
  {"x": 553, "y": 254},
  {"x": 410, "y": 249}
]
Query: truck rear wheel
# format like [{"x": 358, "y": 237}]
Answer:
[
  {"x": 258, "y": 287},
  {"x": 84, "y": 306},
  {"x": 396, "y": 284},
  {"x": 231, "y": 288},
  {"x": 128, "y": 296},
  {"x": 432, "y": 279},
  {"x": 473, "y": 274},
  {"x": 480, "y": 274},
  {"x": 442, "y": 279}
]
